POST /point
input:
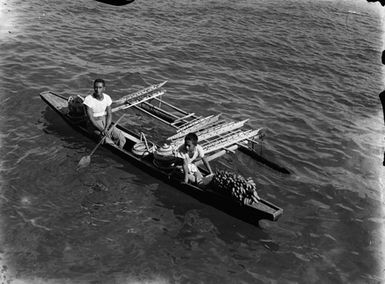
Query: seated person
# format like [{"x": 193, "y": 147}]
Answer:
[
  {"x": 190, "y": 152},
  {"x": 98, "y": 106}
]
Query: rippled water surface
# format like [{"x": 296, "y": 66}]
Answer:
[{"x": 308, "y": 71}]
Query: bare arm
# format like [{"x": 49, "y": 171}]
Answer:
[
  {"x": 207, "y": 165},
  {"x": 185, "y": 170},
  {"x": 108, "y": 118}
]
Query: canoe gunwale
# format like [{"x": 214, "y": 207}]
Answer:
[{"x": 147, "y": 166}]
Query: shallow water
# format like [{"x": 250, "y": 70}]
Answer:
[{"x": 309, "y": 72}]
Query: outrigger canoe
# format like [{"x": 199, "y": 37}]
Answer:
[{"x": 247, "y": 212}]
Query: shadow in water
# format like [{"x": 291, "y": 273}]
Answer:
[
  {"x": 52, "y": 123},
  {"x": 198, "y": 213},
  {"x": 116, "y": 2}
]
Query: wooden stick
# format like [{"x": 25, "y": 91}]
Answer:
[
  {"x": 154, "y": 116},
  {"x": 145, "y": 141},
  {"x": 149, "y": 97},
  {"x": 215, "y": 130},
  {"x": 194, "y": 123},
  {"x": 153, "y": 107},
  {"x": 85, "y": 160},
  {"x": 149, "y": 89},
  {"x": 218, "y": 154},
  {"x": 172, "y": 106},
  {"x": 230, "y": 140},
  {"x": 220, "y": 138},
  {"x": 195, "y": 126},
  {"x": 183, "y": 118}
]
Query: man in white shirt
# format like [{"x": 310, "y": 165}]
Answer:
[{"x": 98, "y": 107}]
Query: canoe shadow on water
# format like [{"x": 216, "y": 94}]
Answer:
[
  {"x": 116, "y": 2},
  {"x": 53, "y": 124},
  {"x": 231, "y": 224}
]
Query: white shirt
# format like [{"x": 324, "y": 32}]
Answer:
[
  {"x": 98, "y": 107},
  {"x": 183, "y": 153},
  {"x": 198, "y": 153}
]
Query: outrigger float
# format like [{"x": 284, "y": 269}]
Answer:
[{"x": 216, "y": 136}]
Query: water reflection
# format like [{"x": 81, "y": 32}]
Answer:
[{"x": 114, "y": 216}]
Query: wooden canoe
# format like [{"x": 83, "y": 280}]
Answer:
[{"x": 247, "y": 212}]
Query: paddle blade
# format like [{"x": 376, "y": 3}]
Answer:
[{"x": 84, "y": 162}]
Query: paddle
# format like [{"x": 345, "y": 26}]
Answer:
[{"x": 85, "y": 160}]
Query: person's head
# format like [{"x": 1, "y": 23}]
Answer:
[
  {"x": 99, "y": 86},
  {"x": 190, "y": 141}
]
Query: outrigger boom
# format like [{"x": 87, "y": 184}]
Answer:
[
  {"x": 215, "y": 129},
  {"x": 135, "y": 95},
  {"x": 216, "y": 135}
]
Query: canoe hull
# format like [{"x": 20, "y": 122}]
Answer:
[{"x": 249, "y": 213}]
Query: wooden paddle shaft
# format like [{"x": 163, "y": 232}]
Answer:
[{"x": 104, "y": 137}]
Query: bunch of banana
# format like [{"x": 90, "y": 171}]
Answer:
[{"x": 228, "y": 183}]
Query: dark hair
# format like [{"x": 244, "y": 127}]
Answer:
[
  {"x": 191, "y": 137},
  {"x": 99, "y": 81}
]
